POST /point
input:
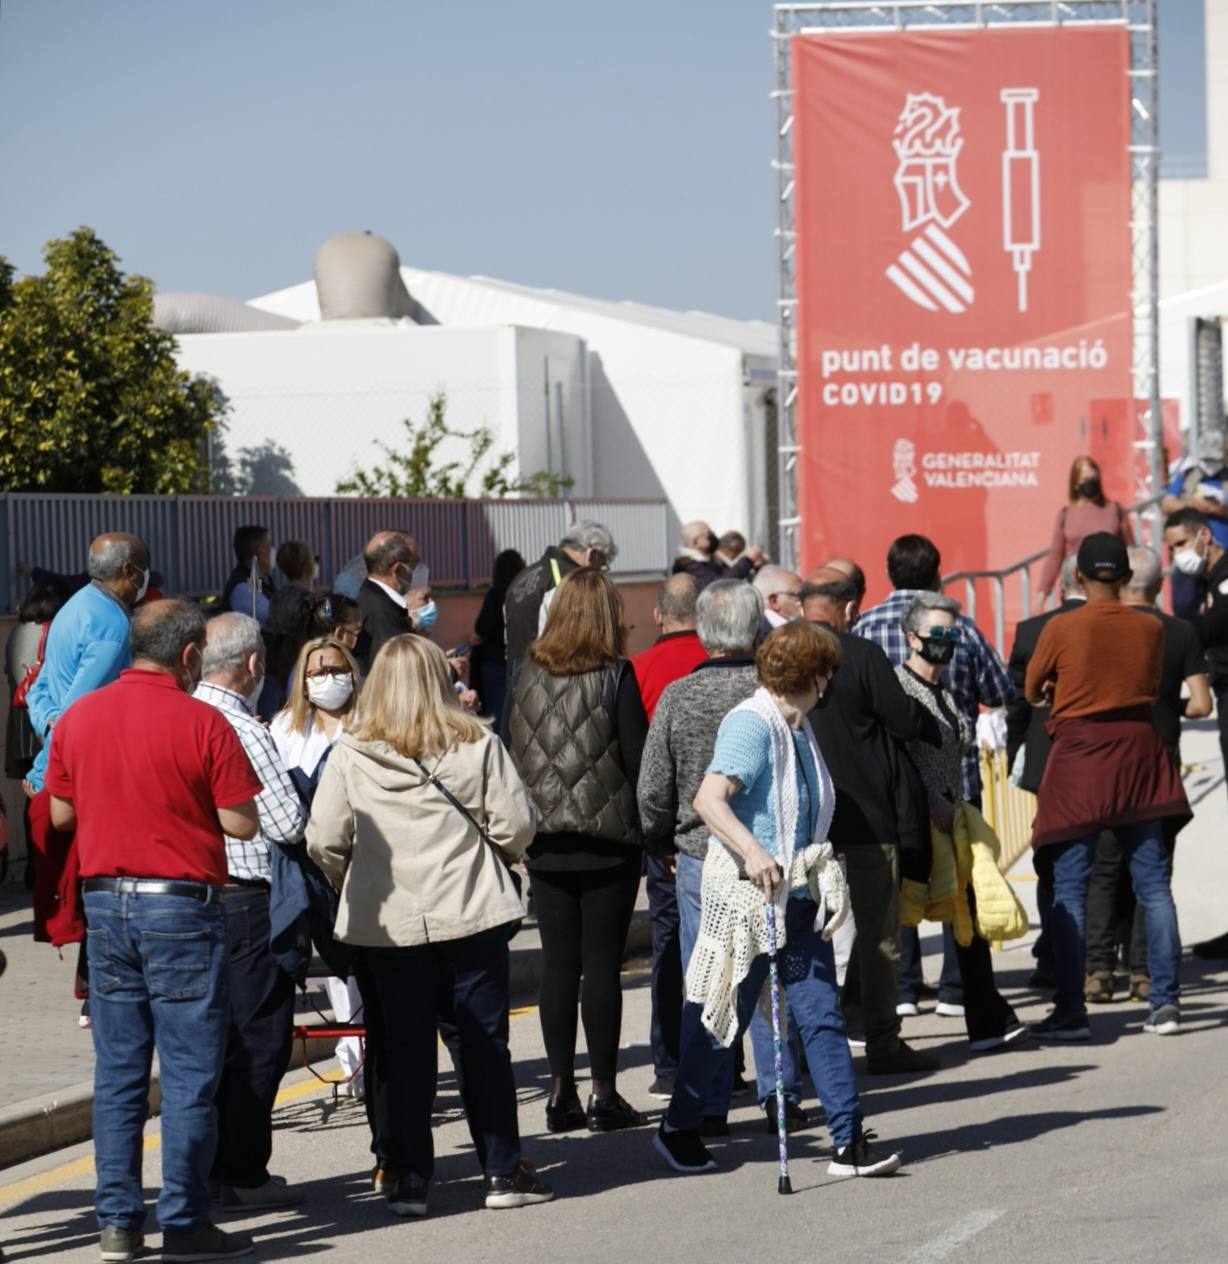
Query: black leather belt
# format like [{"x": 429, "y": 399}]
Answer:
[{"x": 154, "y": 886}]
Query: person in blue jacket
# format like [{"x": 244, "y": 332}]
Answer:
[{"x": 87, "y": 646}]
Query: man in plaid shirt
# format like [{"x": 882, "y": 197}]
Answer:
[
  {"x": 976, "y": 677},
  {"x": 261, "y": 993}
]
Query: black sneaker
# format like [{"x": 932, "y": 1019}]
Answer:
[
  {"x": 1164, "y": 1020},
  {"x": 714, "y": 1126},
  {"x": 683, "y": 1151},
  {"x": 741, "y": 1086},
  {"x": 522, "y": 1189},
  {"x": 1015, "y": 1030},
  {"x": 1056, "y": 1027},
  {"x": 795, "y": 1117},
  {"x": 858, "y": 1159},
  {"x": 408, "y": 1196},
  {"x": 209, "y": 1243},
  {"x": 662, "y": 1088},
  {"x": 1042, "y": 979},
  {"x": 564, "y": 1114},
  {"x": 119, "y": 1244},
  {"x": 1212, "y": 949},
  {"x": 609, "y": 1114},
  {"x": 905, "y": 1060}
]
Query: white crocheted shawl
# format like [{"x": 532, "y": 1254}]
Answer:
[{"x": 733, "y": 921}]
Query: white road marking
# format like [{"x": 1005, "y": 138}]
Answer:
[{"x": 946, "y": 1244}]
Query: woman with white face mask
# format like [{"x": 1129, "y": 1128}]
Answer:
[{"x": 322, "y": 693}]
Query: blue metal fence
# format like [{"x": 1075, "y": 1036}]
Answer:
[{"x": 189, "y": 537}]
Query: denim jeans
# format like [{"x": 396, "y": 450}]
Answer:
[
  {"x": 687, "y": 882},
  {"x": 665, "y": 1030},
  {"x": 1071, "y": 866},
  {"x": 157, "y": 980},
  {"x": 258, "y": 1041},
  {"x": 808, "y": 972}
]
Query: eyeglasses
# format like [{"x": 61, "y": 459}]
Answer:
[
  {"x": 786, "y": 592},
  {"x": 942, "y": 634},
  {"x": 318, "y": 673}
]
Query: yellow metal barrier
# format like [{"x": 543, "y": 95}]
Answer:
[{"x": 1008, "y": 810}]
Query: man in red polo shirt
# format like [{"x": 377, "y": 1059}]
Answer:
[
  {"x": 153, "y": 781},
  {"x": 676, "y": 653}
]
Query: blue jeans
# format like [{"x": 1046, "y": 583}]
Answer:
[
  {"x": 808, "y": 971},
  {"x": 687, "y": 879},
  {"x": 1071, "y": 865},
  {"x": 667, "y": 987},
  {"x": 157, "y": 980}
]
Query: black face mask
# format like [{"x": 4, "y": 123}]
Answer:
[
  {"x": 711, "y": 544},
  {"x": 1090, "y": 488},
  {"x": 936, "y": 651}
]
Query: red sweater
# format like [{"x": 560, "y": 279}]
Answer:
[{"x": 674, "y": 655}]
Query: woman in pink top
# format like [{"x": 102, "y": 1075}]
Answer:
[{"x": 1087, "y": 513}]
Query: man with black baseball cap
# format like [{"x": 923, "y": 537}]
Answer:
[{"x": 1099, "y": 668}]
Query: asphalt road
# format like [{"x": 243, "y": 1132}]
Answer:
[{"x": 1109, "y": 1151}]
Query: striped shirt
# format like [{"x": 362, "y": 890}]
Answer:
[{"x": 282, "y": 815}]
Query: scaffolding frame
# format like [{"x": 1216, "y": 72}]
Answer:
[{"x": 1139, "y": 19}]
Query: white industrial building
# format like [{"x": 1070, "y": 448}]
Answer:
[{"x": 628, "y": 401}]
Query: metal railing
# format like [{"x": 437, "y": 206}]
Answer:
[
  {"x": 189, "y": 537},
  {"x": 1140, "y": 518}
]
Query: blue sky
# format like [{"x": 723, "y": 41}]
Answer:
[{"x": 617, "y": 150}]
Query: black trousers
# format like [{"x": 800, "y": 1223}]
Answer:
[
  {"x": 1114, "y": 918},
  {"x": 986, "y": 1011},
  {"x": 1221, "y": 720},
  {"x": 257, "y": 1043},
  {"x": 583, "y": 917},
  {"x": 402, "y": 1049},
  {"x": 666, "y": 1030}
]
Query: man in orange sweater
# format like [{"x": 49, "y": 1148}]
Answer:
[{"x": 1099, "y": 668}]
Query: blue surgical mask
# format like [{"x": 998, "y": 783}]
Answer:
[{"x": 426, "y": 616}]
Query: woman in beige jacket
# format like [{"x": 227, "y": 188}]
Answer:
[{"x": 417, "y": 818}]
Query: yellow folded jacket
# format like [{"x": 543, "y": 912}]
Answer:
[{"x": 969, "y": 854}]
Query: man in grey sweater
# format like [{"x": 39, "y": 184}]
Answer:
[{"x": 676, "y": 756}]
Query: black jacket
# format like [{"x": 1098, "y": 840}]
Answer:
[
  {"x": 524, "y": 601},
  {"x": 382, "y": 619},
  {"x": 1025, "y": 724},
  {"x": 1213, "y": 624},
  {"x": 860, "y": 731},
  {"x": 707, "y": 572}
]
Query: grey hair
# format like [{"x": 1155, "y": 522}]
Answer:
[
  {"x": 107, "y": 560},
  {"x": 1148, "y": 573},
  {"x": 921, "y": 604},
  {"x": 728, "y": 615},
  {"x": 163, "y": 630},
  {"x": 1069, "y": 575},
  {"x": 230, "y": 640},
  {"x": 676, "y": 598},
  {"x": 769, "y": 579},
  {"x": 586, "y": 534}
]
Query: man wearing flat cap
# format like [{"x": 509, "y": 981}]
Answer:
[{"x": 1099, "y": 668}]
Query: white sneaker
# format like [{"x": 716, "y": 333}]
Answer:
[
  {"x": 907, "y": 1009},
  {"x": 949, "y": 1009}
]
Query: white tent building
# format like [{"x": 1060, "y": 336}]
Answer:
[{"x": 627, "y": 401}]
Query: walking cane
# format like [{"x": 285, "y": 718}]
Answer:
[{"x": 784, "y": 1186}]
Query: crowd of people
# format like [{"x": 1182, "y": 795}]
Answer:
[{"x": 319, "y": 781}]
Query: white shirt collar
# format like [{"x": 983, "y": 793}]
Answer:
[
  {"x": 774, "y": 618},
  {"x": 399, "y": 598}
]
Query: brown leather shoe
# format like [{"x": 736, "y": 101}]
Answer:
[
  {"x": 383, "y": 1181},
  {"x": 1098, "y": 987}
]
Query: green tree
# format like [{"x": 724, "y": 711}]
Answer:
[
  {"x": 416, "y": 473},
  {"x": 91, "y": 399}
]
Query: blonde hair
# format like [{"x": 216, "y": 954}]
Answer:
[
  {"x": 298, "y": 706},
  {"x": 584, "y": 628},
  {"x": 408, "y": 701}
]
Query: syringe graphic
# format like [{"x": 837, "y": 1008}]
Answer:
[{"x": 1020, "y": 185}]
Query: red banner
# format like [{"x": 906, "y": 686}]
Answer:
[{"x": 963, "y": 277}]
